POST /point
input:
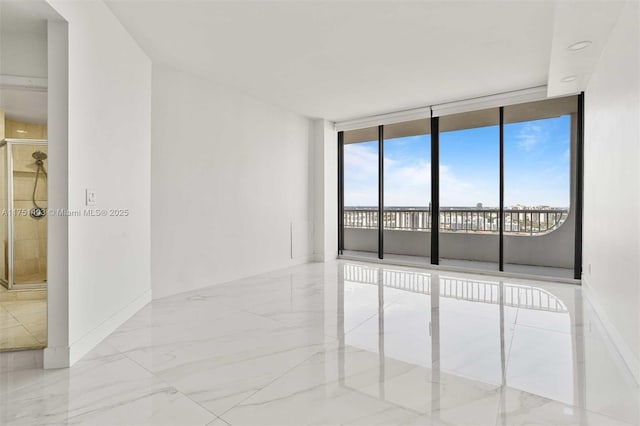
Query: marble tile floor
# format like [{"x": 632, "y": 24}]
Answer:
[
  {"x": 541, "y": 272},
  {"x": 341, "y": 343},
  {"x": 23, "y": 320}
]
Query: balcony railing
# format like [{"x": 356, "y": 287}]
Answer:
[{"x": 516, "y": 221}]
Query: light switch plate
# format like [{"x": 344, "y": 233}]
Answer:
[{"x": 90, "y": 197}]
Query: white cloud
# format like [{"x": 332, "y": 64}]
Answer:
[
  {"x": 455, "y": 191},
  {"x": 407, "y": 183},
  {"x": 531, "y": 135},
  {"x": 360, "y": 162},
  {"x": 361, "y": 175}
]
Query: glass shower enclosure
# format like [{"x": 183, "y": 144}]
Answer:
[{"x": 23, "y": 213}]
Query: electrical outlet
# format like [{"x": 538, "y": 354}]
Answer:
[{"x": 90, "y": 197}]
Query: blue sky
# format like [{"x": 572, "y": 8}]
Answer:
[{"x": 536, "y": 167}]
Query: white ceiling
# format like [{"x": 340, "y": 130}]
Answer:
[
  {"x": 24, "y": 104},
  {"x": 587, "y": 20},
  {"x": 24, "y": 16},
  {"x": 345, "y": 59},
  {"x": 20, "y": 97},
  {"x": 340, "y": 60}
]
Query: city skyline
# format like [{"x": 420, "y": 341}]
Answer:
[{"x": 537, "y": 156}]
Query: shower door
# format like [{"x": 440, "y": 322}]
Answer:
[
  {"x": 23, "y": 223},
  {"x": 4, "y": 215}
]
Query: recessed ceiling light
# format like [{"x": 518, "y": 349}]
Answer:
[
  {"x": 579, "y": 45},
  {"x": 569, "y": 79}
]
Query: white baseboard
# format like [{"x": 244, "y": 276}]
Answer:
[
  {"x": 56, "y": 357},
  {"x": 324, "y": 257},
  {"x": 158, "y": 294},
  {"x": 628, "y": 356},
  {"x": 90, "y": 340},
  {"x": 302, "y": 260},
  {"x": 65, "y": 357}
]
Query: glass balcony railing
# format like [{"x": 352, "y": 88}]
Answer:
[{"x": 516, "y": 221}]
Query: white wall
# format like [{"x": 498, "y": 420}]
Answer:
[
  {"x": 611, "y": 251},
  {"x": 109, "y": 113},
  {"x": 57, "y": 354},
  {"x": 232, "y": 184},
  {"x": 325, "y": 191},
  {"x": 23, "y": 54}
]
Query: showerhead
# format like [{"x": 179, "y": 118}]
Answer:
[{"x": 39, "y": 156}]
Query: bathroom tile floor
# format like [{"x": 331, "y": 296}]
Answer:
[
  {"x": 23, "y": 320},
  {"x": 341, "y": 343}
]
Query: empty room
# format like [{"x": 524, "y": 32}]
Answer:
[{"x": 272, "y": 212}]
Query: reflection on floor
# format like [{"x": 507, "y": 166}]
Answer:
[
  {"x": 23, "y": 319},
  {"x": 463, "y": 265},
  {"x": 342, "y": 343}
]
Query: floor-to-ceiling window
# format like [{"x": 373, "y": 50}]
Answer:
[
  {"x": 493, "y": 189},
  {"x": 360, "y": 166},
  {"x": 469, "y": 188},
  {"x": 407, "y": 189},
  {"x": 539, "y": 224}
]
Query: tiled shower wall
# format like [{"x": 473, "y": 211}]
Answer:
[{"x": 30, "y": 235}]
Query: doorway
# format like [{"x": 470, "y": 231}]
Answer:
[{"x": 23, "y": 177}]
